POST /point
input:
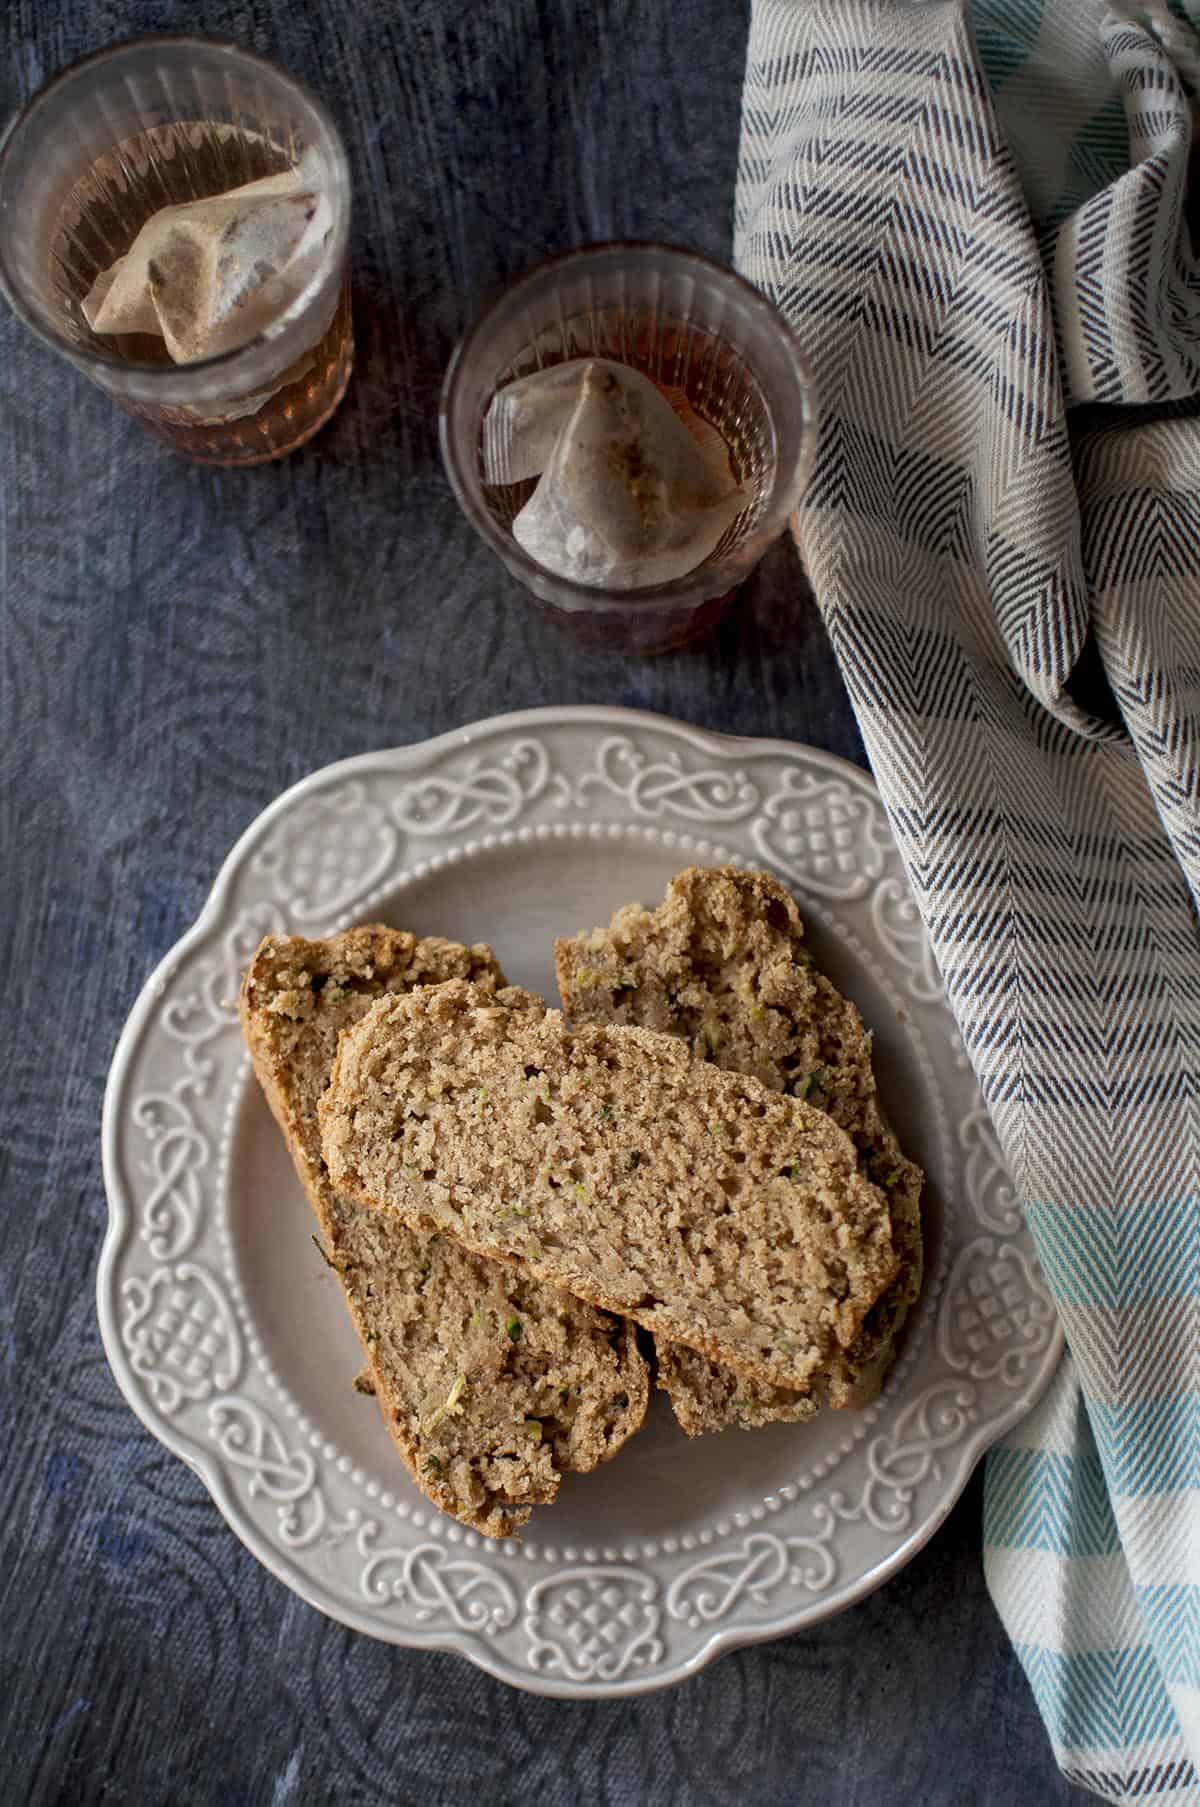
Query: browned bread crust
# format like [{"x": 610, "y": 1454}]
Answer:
[
  {"x": 711, "y": 1210},
  {"x": 560, "y": 1393},
  {"x": 722, "y": 963}
]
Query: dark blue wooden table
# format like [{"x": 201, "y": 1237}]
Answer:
[{"x": 176, "y": 646}]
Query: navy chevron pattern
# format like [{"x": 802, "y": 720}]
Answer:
[{"x": 965, "y": 547}]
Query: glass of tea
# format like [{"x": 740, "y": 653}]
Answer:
[
  {"x": 714, "y": 348},
  {"x": 157, "y": 123}
]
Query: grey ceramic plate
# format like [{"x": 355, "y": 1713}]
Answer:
[{"x": 227, "y": 1333}]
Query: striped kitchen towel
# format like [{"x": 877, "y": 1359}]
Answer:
[{"x": 975, "y": 216}]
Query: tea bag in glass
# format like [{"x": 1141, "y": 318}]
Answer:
[
  {"x": 525, "y": 418},
  {"x": 208, "y": 276},
  {"x": 627, "y": 497}
]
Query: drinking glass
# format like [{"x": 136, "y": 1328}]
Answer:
[
  {"x": 149, "y": 124},
  {"x": 707, "y": 340}
]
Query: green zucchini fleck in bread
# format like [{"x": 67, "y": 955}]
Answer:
[
  {"x": 722, "y": 964},
  {"x": 486, "y": 1423}
]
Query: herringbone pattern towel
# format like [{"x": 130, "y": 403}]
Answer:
[{"x": 976, "y": 222}]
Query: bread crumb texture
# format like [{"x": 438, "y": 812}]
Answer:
[
  {"x": 722, "y": 964},
  {"x": 713, "y": 1211},
  {"x": 492, "y": 1383}
]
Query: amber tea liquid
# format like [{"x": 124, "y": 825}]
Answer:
[
  {"x": 101, "y": 218},
  {"x": 716, "y": 397}
]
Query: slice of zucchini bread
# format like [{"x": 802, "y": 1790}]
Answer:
[
  {"x": 722, "y": 964},
  {"x": 690, "y": 1199},
  {"x": 491, "y": 1383}
]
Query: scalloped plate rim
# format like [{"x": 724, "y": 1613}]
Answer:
[{"x": 734, "y": 1636}]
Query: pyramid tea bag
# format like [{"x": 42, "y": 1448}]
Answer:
[
  {"x": 208, "y": 276},
  {"x": 627, "y": 497},
  {"x": 525, "y": 419}
]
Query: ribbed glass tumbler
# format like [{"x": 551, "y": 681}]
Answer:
[
  {"x": 708, "y": 341},
  {"x": 151, "y": 124}
]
